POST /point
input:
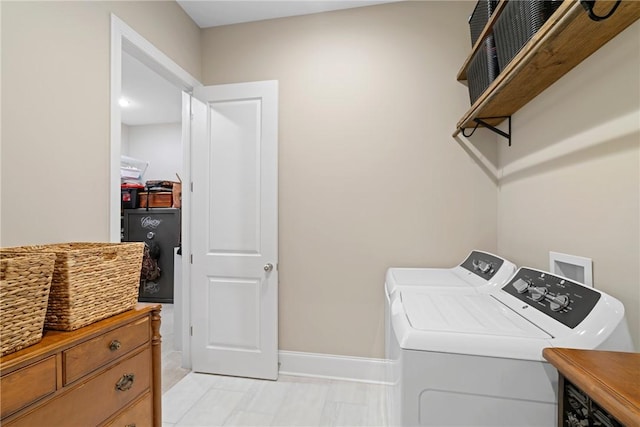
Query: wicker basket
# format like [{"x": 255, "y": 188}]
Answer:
[
  {"x": 480, "y": 16},
  {"x": 91, "y": 281},
  {"x": 483, "y": 69},
  {"x": 25, "y": 281},
  {"x": 519, "y": 21}
]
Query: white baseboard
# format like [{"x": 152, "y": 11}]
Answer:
[{"x": 332, "y": 366}]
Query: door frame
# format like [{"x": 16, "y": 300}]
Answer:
[{"x": 124, "y": 38}]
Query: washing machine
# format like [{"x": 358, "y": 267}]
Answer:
[{"x": 474, "y": 358}]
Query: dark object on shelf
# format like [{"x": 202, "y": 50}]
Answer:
[
  {"x": 588, "y": 6},
  {"x": 159, "y": 185},
  {"x": 517, "y": 23},
  {"x": 160, "y": 230},
  {"x": 129, "y": 194},
  {"x": 150, "y": 271},
  {"x": 483, "y": 69},
  {"x": 480, "y": 16}
]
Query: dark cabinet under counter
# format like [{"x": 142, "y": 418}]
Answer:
[{"x": 596, "y": 388}]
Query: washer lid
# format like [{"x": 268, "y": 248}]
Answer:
[{"x": 465, "y": 314}]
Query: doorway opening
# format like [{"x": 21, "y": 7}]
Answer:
[{"x": 132, "y": 53}]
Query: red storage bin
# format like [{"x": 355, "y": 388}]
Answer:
[{"x": 129, "y": 194}]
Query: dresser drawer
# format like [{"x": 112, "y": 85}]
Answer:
[
  {"x": 139, "y": 414},
  {"x": 90, "y": 403},
  {"x": 90, "y": 355},
  {"x": 26, "y": 385}
]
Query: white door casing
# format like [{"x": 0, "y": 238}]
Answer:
[
  {"x": 234, "y": 229},
  {"x": 125, "y": 39}
]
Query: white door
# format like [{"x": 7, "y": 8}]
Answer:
[{"x": 234, "y": 230}]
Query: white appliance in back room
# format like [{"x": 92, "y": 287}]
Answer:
[{"x": 474, "y": 357}]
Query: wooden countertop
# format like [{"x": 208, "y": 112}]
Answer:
[{"x": 610, "y": 378}]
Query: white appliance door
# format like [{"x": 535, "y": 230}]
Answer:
[{"x": 234, "y": 230}]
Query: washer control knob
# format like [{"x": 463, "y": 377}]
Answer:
[
  {"x": 558, "y": 302},
  {"x": 521, "y": 286},
  {"x": 538, "y": 293},
  {"x": 486, "y": 268}
]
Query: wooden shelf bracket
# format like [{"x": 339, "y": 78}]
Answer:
[{"x": 481, "y": 122}]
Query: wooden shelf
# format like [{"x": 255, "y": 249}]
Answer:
[{"x": 565, "y": 40}]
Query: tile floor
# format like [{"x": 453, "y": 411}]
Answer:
[
  {"x": 171, "y": 357},
  {"x": 193, "y": 399}
]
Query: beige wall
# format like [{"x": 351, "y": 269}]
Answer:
[
  {"x": 572, "y": 181},
  {"x": 369, "y": 174},
  {"x": 55, "y": 110}
]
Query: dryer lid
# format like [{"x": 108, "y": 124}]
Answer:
[
  {"x": 465, "y": 314},
  {"x": 425, "y": 277},
  {"x": 478, "y": 270}
]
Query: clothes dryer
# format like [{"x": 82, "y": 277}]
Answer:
[{"x": 478, "y": 270}]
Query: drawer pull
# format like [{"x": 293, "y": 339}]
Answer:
[
  {"x": 130, "y": 425},
  {"x": 115, "y": 345},
  {"x": 125, "y": 383}
]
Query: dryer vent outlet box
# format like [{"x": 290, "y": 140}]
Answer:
[{"x": 577, "y": 268}]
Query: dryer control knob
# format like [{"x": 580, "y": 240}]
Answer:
[
  {"x": 538, "y": 293},
  {"x": 482, "y": 266},
  {"x": 521, "y": 286},
  {"x": 558, "y": 302}
]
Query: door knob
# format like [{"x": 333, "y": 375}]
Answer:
[{"x": 268, "y": 267}]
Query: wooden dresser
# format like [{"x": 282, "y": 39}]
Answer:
[
  {"x": 105, "y": 374},
  {"x": 596, "y": 388}
]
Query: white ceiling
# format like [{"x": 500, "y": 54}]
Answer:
[
  {"x": 154, "y": 100},
  {"x": 213, "y": 13}
]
